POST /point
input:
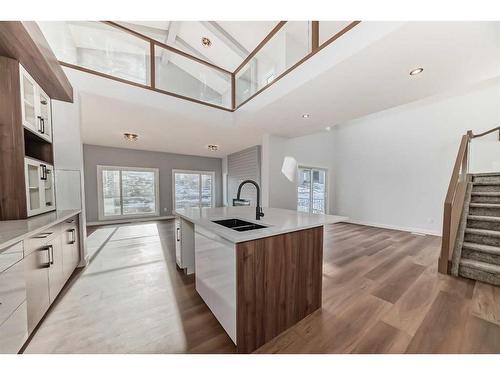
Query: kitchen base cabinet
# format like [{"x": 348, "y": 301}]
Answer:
[
  {"x": 57, "y": 278},
  {"x": 50, "y": 259},
  {"x": 36, "y": 266},
  {"x": 70, "y": 246}
]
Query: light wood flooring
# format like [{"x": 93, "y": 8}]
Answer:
[{"x": 381, "y": 294}]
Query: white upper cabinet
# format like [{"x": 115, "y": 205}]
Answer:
[
  {"x": 35, "y": 107},
  {"x": 40, "y": 191}
]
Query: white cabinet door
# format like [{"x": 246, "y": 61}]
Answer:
[
  {"x": 44, "y": 114},
  {"x": 28, "y": 101},
  {"x": 48, "y": 187},
  {"x": 40, "y": 192},
  {"x": 36, "y": 112},
  {"x": 33, "y": 177}
]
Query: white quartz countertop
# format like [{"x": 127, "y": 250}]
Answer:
[
  {"x": 277, "y": 220},
  {"x": 13, "y": 231}
]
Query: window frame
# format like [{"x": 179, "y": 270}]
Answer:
[
  {"x": 327, "y": 184},
  {"x": 188, "y": 171},
  {"x": 100, "y": 195}
]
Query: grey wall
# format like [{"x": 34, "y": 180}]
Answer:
[{"x": 165, "y": 162}]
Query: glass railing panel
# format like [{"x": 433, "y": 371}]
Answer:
[
  {"x": 181, "y": 75},
  {"x": 286, "y": 48},
  {"x": 327, "y": 29},
  {"x": 101, "y": 48}
]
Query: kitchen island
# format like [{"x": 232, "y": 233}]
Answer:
[{"x": 258, "y": 277}]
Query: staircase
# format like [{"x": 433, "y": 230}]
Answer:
[{"x": 477, "y": 252}]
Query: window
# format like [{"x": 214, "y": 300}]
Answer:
[
  {"x": 193, "y": 189},
  {"x": 127, "y": 191},
  {"x": 311, "y": 190}
]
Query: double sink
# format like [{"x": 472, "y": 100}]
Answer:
[{"x": 238, "y": 225}]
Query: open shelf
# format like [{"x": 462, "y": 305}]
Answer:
[{"x": 37, "y": 148}]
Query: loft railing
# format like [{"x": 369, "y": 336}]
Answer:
[
  {"x": 455, "y": 198},
  {"x": 125, "y": 55}
]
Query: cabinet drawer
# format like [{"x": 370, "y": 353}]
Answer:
[
  {"x": 41, "y": 239},
  {"x": 14, "y": 331},
  {"x": 11, "y": 256},
  {"x": 12, "y": 290}
]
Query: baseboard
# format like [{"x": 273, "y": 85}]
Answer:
[
  {"x": 395, "y": 227},
  {"x": 126, "y": 221}
]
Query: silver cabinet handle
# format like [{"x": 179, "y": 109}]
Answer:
[
  {"x": 177, "y": 234},
  {"x": 47, "y": 248},
  {"x": 73, "y": 236},
  {"x": 51, "y": 258},
  {"x": 43, "y": 235}
]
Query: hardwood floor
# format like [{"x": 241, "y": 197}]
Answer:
[{"x": 381, "y": 294}]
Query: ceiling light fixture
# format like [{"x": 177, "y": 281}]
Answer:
[
  {"x": 206, "y": 42},
  {"x": 213, "y": 147},
  {"x": 306, "y": 115},
  {"x": 328, "y": 128},
  {"x": 414, "y": 72},
  {"x": 130, "y": 136}
]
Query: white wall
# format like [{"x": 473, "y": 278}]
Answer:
[
  {"x": 485, "y": 154},
  {"x": 393, "y": 168},
  {"x": 312, "y": 151}
]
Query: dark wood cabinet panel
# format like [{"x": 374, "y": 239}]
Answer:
[
  {"x": 278, "y": 284},
  {"x": 12, "y": 185}
]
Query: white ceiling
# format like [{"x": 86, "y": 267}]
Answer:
[{"x": 365, "y": 71}]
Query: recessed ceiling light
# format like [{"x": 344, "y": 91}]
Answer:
[
  {"x": 306, "y": 115},
  {"x": 206, "y": 42},
  {"x": 414, "y": 72},
  {"x": 213, "y": 147},
  {"x": 130, "y": 136},
  {"x": 328, "y": 128}
]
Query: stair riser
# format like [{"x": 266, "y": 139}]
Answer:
[
  {"x": 480, "y": 256},
  {"x": 472, "y": 273},
  {"x": 486, "y": 179},
  {"x": 483, "y": 211},
  {"x": 484, "y": 199},
  {"x": 485, "y": 240},
  {"x": 486, "y": 188},
  {"x": 479, "y": 224}
]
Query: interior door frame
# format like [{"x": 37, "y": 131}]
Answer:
[
  {"x": 327, "y": 185},
  {"x": 188, "y": 171}
]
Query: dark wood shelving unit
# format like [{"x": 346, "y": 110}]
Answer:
[{"x": 16, "y": 143}]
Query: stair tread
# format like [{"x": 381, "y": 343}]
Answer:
[
  {"x": 486, "y": 183},
  {"x": 483, "y": 266},
  {"x": 484, "y": 232},
  {"x": 486, "y": 174},
  {"x": 482, "y": 248},
  {"x": 484, "y": 218},
  {"x": 485, "y": 205},
  {"x": 486, "y": 193}
]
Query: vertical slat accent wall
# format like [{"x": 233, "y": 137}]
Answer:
[{"x": 243, "y": 165}]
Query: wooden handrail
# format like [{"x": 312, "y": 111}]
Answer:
[
  {"x": 488, "y": 132},
  {"x": 453, "y": 205},
  {"x": 455, "y": 198}
]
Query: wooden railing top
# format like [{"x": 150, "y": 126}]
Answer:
[{"x": 486, "y": 132}]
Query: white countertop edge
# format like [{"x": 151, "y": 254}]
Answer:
[
  {"x": 238, "y": 237},
  {"x": 64, "y": 215}
]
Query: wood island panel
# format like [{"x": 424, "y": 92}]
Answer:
[{"x": 279, "y": 281}]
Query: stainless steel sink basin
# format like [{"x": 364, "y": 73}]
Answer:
[{"x": 238, "y": 225}]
